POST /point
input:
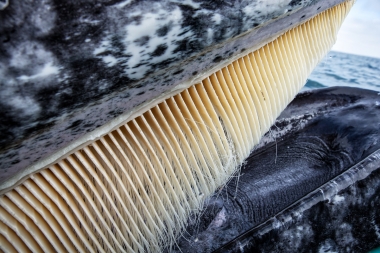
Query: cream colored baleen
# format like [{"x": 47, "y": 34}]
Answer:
[{"x": 134, "y": 189}]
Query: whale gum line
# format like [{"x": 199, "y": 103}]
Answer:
[{"x": 134, "y": 188}]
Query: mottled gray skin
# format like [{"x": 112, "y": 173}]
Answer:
[
  {"x": 320, "y": 135},
  {"x": 68, "y": 67}
]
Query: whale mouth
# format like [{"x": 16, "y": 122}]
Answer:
[
  {"x": 326, "y": 164},
  {"x": 133, "y": 188}
]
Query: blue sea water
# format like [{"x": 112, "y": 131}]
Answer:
[{"x": 341, "y": 69}]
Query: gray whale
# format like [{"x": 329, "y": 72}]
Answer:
[
  {"x": 82, "y": 80},
  {"x": 313, "y": 184}
]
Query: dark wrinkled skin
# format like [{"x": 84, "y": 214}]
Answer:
[
  {"x": 349, "y": 221},
  {"x": 341, "y": 128}
]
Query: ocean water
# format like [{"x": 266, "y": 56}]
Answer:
[{"x": 341, "y": 69}]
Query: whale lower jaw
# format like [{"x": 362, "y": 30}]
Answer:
[{"x": 134, "y": 188}]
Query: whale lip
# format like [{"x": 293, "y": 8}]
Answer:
[
  {"x": 317, "y": 150},
  {"x": 327, "y": 192}
]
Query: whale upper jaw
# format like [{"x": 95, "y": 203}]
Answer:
[{"x": 68, "y": 82}]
